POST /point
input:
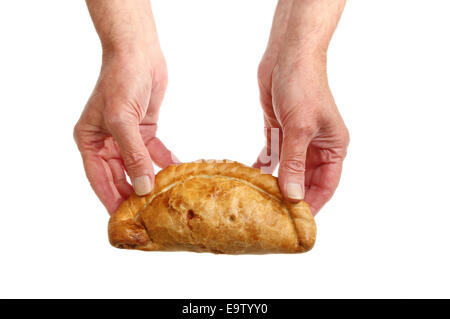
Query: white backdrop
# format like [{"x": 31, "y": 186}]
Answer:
[{"x": 386, "y": 232}]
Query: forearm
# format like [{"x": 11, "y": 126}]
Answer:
[
  {"x": 311, "y": 25},
  {"x": 303, "y": 28},
  {"x": 124, "y": 25},
  {"x": 278, "y": 30}
]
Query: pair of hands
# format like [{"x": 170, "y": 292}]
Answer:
[{"x": 116, "y": 133}]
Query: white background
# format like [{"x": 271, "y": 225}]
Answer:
[{"x": 386, "y": 232}]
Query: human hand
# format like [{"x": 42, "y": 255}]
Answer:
[
  {"x": 117, "y": 130},
  {"x": 313, "y": 138},
  {"x": 116, "y": 133},
  {"x": 304, "y": 130}
]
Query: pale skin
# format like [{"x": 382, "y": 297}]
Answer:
[{"x": 116, "y": 133}]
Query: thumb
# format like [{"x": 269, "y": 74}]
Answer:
[
  {"x": 291, "y": 174},
  {"x": 135, "y": 155}
]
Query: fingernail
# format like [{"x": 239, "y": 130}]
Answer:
[
  {"x": 294, "y": 191},
  {"x": 142, "y": 185}
]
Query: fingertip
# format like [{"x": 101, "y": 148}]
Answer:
[
  {"x": 160, "y": 154},
  {"x": 175, "y": 159},
  {"x": 142, "y": 185},
  {"x": 317, "y": 197},
  {"x": 101, "y": 179},
  {"x": 292, "y": 200},
  {"x": 292, "y": 186},
  {"x": 295, "y": 191},
  {"x": 314, "y": 211},
  {"x": 113, "y": 205}
]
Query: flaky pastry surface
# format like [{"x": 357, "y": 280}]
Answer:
[{"x": 213, "y": 206}]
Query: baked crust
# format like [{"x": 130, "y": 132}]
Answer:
[{"x": 213, "y": 206}]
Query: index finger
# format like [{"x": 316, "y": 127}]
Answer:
[
  {"x": 101, "y": 179},
  {"x": 320, "y": 184}
]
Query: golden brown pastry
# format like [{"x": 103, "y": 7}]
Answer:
[{"x": 212, "y": 206}]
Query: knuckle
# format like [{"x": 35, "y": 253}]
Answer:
[
  {"x": 297, "y": 125},
  {"x": 78, "y": 135},
  {"x": 134, "y": 160},
  {"x": 294, "y": 165},
  {"x": 343, "y": 137},
  {"x": 346, "y": 134},
  {"x": 263, "y": 70},
  {"x": 161, "y": 80},
  {"x": 76, "y": 132},
  {"x": 264, "y": 75},
  {"x": 304, "y": 129},
  {"x": 115, "y": 118},
  {"x": 160, "y": 77}
]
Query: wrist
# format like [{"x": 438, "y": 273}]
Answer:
[
  {"x": 310, "y": 66},
  {"x": 141, "y": 53},
  {"x": 309, "y": 28},
  {"x": 303, "y": 56},
  {"x": 133, "y": 45},
  {"x": 124, "y": 27}
]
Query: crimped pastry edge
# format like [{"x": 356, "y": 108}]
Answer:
[{"x": 125, "y": 231}]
